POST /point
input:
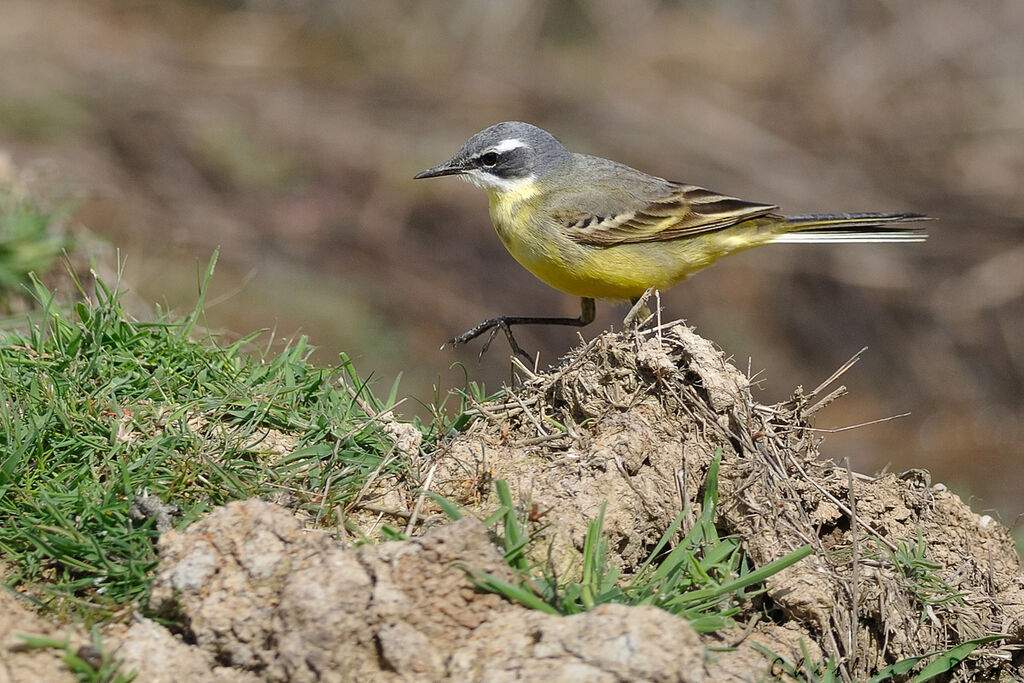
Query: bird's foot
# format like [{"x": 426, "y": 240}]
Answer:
[{"x": 494, "y": 325}]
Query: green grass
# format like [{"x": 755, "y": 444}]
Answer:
[
  {"x": 921, "y": 576},
  {"x": 89, "y": 664},
  {"x": 942, "y": 661},
  {"x": 804, "y": 669},
  {"x": 704, "y": 578},
  {"x": 97, "y": 408}
]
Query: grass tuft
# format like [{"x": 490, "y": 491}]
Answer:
[
  {"x": 944, "y": 661},
  {"x": 922, "y": 576},
  {"x": 98, "y": 409},
  {"x": 704, "y": 578}
]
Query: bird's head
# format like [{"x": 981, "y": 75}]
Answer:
[{"x": 506, "y": 157}]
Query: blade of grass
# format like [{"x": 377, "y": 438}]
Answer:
[{"x": 945, "y": 661}]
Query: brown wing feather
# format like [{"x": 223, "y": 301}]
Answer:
[{"x": 687, "y": 211}]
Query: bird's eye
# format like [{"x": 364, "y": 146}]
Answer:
[{"x": 489, "y": 160}]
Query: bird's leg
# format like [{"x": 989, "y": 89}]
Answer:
[{"x": 505, "y": 322}]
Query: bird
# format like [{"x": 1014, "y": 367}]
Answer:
[{"x": 598, "y": 229}]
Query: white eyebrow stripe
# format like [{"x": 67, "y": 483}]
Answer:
[{"x": 508, "y": 145}]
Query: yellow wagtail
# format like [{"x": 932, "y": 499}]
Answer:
[{"x": 599, "y": 229}]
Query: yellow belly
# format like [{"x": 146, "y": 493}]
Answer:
[{"x": 623, "y": 271}]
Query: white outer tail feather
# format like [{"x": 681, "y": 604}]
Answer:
[
  {"x": 811, "y": 237},
  {"x": 852, "y": 228}
]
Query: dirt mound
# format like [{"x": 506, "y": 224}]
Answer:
[
  {"x": 633, "y": 420},
  {"x": 901, "y": 568}
]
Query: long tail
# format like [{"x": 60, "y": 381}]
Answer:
[{"x": 838, "y": 228}]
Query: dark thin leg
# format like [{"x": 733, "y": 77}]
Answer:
[{"x": 506, "y": 322}]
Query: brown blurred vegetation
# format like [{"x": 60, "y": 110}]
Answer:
[{"x": 288, "y": 132}]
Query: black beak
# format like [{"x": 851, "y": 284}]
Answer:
[{"x": 447, "y": 168}]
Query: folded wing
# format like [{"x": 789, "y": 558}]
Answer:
[{"x": 684, "y": 211}]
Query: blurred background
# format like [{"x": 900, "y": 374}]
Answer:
[{"x": 287, "y": 132}]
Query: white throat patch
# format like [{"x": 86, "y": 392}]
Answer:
[{"x": 493, "y": 182}]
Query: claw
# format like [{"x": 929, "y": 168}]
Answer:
[{"x": 490, "y": 338}]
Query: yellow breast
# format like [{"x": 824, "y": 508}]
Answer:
[
  {"x": 540, "y": 247},
  {"x": 518, "y": 217},
  {"x": 511, "y": 207}
]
